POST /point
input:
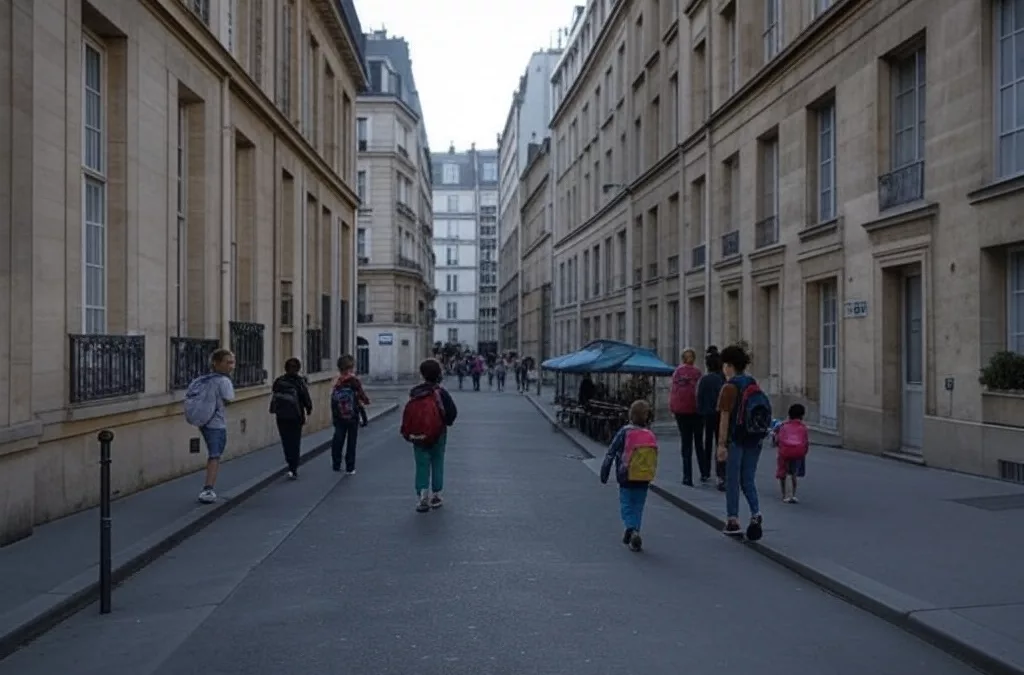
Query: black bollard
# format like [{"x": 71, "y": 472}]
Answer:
[{"x": 105, "y": 437}]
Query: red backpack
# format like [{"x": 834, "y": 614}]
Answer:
[
  {"x": 423, "y": 418},
  {"x": 683, "y": 398},
  {"x": 792, "y": 440}
]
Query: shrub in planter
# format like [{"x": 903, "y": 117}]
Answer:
[{"x": 1004, "y": 372}]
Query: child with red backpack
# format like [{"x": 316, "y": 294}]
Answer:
[
  {"x": 425, "y": 421},
  {"x": 634, "y": 452},
  {"x": 791, "y": 440},
  {"x": 347, "y": 397}
]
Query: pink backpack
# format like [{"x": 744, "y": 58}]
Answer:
[
  {"x": 640, "y": 457},
  {"x": 792, "y": 440}
]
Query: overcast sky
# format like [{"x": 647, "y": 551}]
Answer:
[{"x": 467, "y": 57}]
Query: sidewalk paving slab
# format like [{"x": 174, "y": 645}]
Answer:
[
  {"x": 55, "y": 572},
  {"x": 925, "y": 549}
]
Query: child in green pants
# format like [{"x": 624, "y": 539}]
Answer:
[{"x": 425, "y": 421}]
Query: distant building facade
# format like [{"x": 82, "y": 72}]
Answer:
[
  {"x": 395, "y": 285},
  {"x": 465, "y": 245}
]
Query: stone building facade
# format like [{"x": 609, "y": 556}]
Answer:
[
  {"x": 836, "y": 182},
  {"x": 536, "y": 214},
  {"x": 394, "y": 239},
  {"x": 180, "y": 176}
]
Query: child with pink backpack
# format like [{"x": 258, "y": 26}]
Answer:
[
  {"x": 791, "y": 439},
  {"x": 634, "y": 452}
]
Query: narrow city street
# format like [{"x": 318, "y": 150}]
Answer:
[{"x": 522, "y": 571}]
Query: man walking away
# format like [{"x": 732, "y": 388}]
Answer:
[
  {"x": 290, "y": 403},
  {"x": 205, "y": 401},
  {"x": 683, "y": 405},
  {"x": 499, "y": 371},
  {"x": 346, "y": 397},
  {"x": 708, "y": 390}
]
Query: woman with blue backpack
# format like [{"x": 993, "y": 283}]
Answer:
[{"x": 745, "y": 421}]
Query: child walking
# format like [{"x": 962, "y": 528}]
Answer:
[
  {"x": 425, "y": 421},
  {"x": 634, "y": 452},
  {"x": 792, "y": 441},
  {"x": 347, "y": 398}
]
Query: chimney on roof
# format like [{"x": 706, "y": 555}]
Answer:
[
  {"x": 451, "y": 149},
  {"x": 472, "y": 146}
]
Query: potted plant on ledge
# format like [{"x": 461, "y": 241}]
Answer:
[{"x": 1003, "y": 398}]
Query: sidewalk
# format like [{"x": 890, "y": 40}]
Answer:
[
  {"x": 55, "y": 572},
  {"x": 934, "y": 552}
]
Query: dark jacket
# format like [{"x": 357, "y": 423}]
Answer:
[
  {"x": 708, "y": 389},
  {"x": 296, "y": 383},
  {"x": 450, "y": 411}
]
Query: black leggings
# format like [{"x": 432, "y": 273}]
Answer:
[{"x": 711, "y": 442}]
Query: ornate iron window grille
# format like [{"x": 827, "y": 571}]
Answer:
[
  {"x": 731, "y": 244},
  {"x": 190, "y": 358},
  {"x": 247, "y": 345},
  {"x": 106, "y": 366},
  {"x": 901, "y": 186},
  {"x": 766, "y": 232}
]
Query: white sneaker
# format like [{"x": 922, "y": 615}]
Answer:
[
  {"x": 436, "y": 502},
  {"x": 350, "y": 473},
  {"x": 423, "y": 505},
  {"x": 207, "y": 496}
]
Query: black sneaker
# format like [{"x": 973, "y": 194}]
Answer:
[
  {"x": 755, "y": 530},
  {"x": 732, "y": 528},
  {"x": 721, "y": 485},
  {"x": 626, "y": 536},
  {"x": 636, "y": 543},
  {"x": 688, "y": 482}
]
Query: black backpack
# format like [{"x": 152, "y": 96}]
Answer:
[{"x": 286, "y": 401}]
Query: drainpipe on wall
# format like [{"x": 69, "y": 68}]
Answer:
[{"x": 227, "y": 138}]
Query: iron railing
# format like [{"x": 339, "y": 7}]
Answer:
[
  {"x": 901, "y": 186},
  {"x": 314, "y": 350},
  {"x": 698, "y": 256},
  {"x": 403, "y": 152},
  {"x": 403, "y": 317},
  {"x": 362, "y": 317},
  {"x": 106, "y": 366},
  {"x": 190, "y": 358},
  {"x": 247, "y": 345},
  {"x": 409, "y": 264},
  {"x": 405, "y": 210},
  {"x": 731, "y": 244},
  {"x": 766, "y": 232},
  {"x": 364, "y": 260}
]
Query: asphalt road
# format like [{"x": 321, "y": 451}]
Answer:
[{"x": 522, "y": 571}]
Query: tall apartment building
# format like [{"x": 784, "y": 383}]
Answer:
[
  {"x": 466, "y": 248},
  {"x": 838, "y": 183},
  {"x": 176, "y": 179},
  {"x": 526, "y": 125},
  {"x": 394, "y": 239}
]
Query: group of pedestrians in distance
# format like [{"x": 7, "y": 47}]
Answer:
[
  {"x": 496, "y": 368},
  {"x": 725, "y": 410},
  {"x": 290, "y": 403}
]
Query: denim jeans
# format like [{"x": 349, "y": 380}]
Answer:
[
  {"x": 631, "y": 505},
  {"x": 741, "y": 470},
  {"x": 346, "y": 434},
  {"x": 430, "y": 466}
]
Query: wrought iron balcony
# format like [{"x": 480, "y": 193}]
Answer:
[
  {"x": 314, "y": 350},
  {"x": 403, "y": 317},
  {"x": 247, "y": 344},
  {"x": 901, "y": 186},
  {"x": 673, "y": 265},
  {"x": 405, "y": 210},
  {"x": 409, "y": 264},
  {"x": 364, "y": 260},
  {"x": 190, "y": 358},
  {"x": 698, "y": 256},
  {"x": 106, "y": 366},
  {"x": 731, "y": 244},
  {"x": 364, "y": 318},
  {"x": 363, "y": 145},
  {"x": 766, "y": 232}
]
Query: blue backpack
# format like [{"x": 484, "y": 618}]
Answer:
[
  {"x": 752, "y": 416},
  {"x": 344, "y": 404},
  {"x": 201, "y": 400}
]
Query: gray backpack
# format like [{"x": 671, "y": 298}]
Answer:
[{"x": 201, "y": 399}]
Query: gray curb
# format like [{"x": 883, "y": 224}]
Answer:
[
  {"x": 27, "y": 622},
  {"x": 972, "y": 643}
]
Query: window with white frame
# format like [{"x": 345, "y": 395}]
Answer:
[
  {"x": 452, "y": 229},
  {"x": 772, "y": 34},
  {"x": 94, "y": 189},
  {"x": 453, "y": 203},
  {"x": 453, "y": 335},
  {"x": 490, "y": 172},
  {"x": 1009, "y": 106},
  {"x": 827, "y": 162},
  {"x": 182, "y": 211},
  {"x": 452, "y": 310},
  {"x": 362, "y": 133},
  {"x": 452, "y": 283},
  {"x": 908, "y": 112},
  {"x": 450, "y": 174},
  {"x": 452, "y": 255},
  {"x": 361, "y": 243},
  {"x": 361, "y": 186},
  {"x": 1015, "y": 298}
]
